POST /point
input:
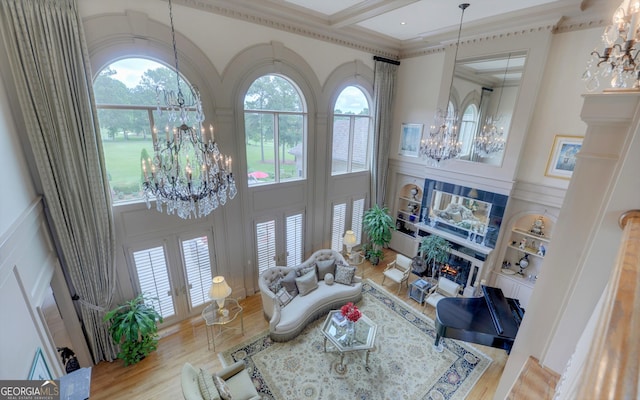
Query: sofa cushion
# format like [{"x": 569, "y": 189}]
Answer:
[
  {"x": 307, "y": 283},
  {"x": 208, "y": 389},
  {"x": 327, "y": 266},
  {"x": 289, "y": 283},
  {"x": 223, "y": 388},
  {"x": 283, "y": 297},
  {"x": 304, "y": 269},
  {"x": 344, "y": 274}
]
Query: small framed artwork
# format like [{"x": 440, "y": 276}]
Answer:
[
  {"x": 562, "y": 159},
  {"x": 40, "y": 369},
  {"x": 410, "y": 139}
]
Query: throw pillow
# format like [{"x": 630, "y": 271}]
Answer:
[
  {"x": 328, "y": 279},
  {"x": 208, "y": 389},
  {"x": 283, "y": 297},
  {"x": 305, "y": 270},
  {"x": 307, "y": 283},
  {"x": 344, "y": 274},
  {"x": 325, "y": 267},
  {"x": 275, "y": 285},
  {"x": 223, "y": 388},
  {"x": 289, "y": 283}
]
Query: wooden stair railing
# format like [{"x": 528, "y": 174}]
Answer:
[{"x": 613, "y": 365}]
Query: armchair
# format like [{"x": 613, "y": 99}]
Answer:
[
  {"x": 196, "y": 381},
  {"x": 398, "y": 271},
  {"x": 444, "y": 288}
]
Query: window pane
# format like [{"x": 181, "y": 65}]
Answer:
[
  {"x": 153, "y": 278},
  {"x": 294, "y": 239},
  {"x": 340, "y": 148},
  {"x": 360, "y": 160},
  {"x": 337, "y": 225},
  {"x": 266, "y": 245},
  {"x": 290, "y": 138},
  {"x": 125, "y": 93},
  {"x": 126, "y": 139},
  {"x": 275, "y": 131},
  {"x": 351, "y": 122},
  {"x": 259, "y": 130},
  {"x": 195, "y": 253}
]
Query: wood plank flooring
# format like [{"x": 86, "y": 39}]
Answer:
[{"x": 158, "y": 376}]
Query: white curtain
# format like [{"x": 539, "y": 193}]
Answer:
[
  {"x": 384, "y": 85},
  {"x": 50, "y": 67}
]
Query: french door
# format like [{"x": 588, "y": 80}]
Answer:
[
  {"x": 175, "y": 275},
  {"x": 279, "y": 240}
]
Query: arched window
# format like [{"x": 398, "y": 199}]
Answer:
[
  {"x": 275, "y": 131},
  {"x": 125, "y": 93},
  {"x": 468, "y": 126},
  {"x": 351, "y": 132}
]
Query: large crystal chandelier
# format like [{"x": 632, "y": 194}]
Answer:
[
  {"x": 618, "y": 62},
  {"x": 490, "y": 140},
  {"x": 442, "y": 142},
  {"x": 187, "y": 175}
]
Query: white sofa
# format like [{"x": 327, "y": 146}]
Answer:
[
  {"x": 288, "y": 320},
  {"x": 198, "y": 384}
]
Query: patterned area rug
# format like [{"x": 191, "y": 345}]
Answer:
[{"x": 403, "y": 364}]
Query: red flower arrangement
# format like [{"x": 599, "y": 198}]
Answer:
[{"x": 351, "y": 312}]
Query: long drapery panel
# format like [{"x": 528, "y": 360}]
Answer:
[
  {"x": 384, "y": 86},
  {"x": 50, "y": 67}
]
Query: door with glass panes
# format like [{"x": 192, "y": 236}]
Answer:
[
  {"x": 279, "y": 240},
  {"x": 175, "y": 274}
]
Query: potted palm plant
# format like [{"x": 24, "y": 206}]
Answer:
[
  {"x": 435, "y": 250},
  {"x": 377, "y": 224},
  {"x": 133, "y": 325}
]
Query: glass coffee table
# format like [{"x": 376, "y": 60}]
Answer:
[
  {"x": 213, "y": 317},
  {"x": 363, "y": 337}
]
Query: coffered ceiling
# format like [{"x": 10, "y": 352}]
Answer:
[{"x": 401, "y": 28}]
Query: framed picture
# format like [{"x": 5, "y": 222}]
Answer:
[
  {"x": 562, "y": 159},
  {"x": 410, "y": 139},
  {"x": 39, "y": 369}
]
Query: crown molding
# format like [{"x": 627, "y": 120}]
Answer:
[{"x": 272, "y": 15}]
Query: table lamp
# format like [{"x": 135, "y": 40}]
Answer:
[
  {"x": 219, "y": 292},
  {"x": 349, "y": 240}
]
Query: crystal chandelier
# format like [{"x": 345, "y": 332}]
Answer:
[
  {"x": 188, "y": 174},
  {"x": 442, "y": 142},
  {"x": 490, "y": 140},
  {"x": 618, "y": 62}
]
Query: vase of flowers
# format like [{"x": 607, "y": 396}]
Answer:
[{"x": 352, "y": 314}]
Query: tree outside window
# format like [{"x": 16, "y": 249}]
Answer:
[
  {"x": 125, "y": 95},
  {"x": 275, "y": 131}
]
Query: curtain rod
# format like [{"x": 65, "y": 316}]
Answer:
[{"x": 387, "y": 60}]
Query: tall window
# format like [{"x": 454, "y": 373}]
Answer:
[
  {"x": 468, "y": 125},
  {"x": 125, "y": 93},
  {"x": 351, "y": 127},
  {"x": 275, "y": 130}
]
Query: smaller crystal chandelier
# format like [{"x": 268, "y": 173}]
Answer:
[
  {"x": 490, "y": 140},
  {"x": 442, "y": 142},
  {"x": 618, "y": 63},
  {"x": 188, "y": 175}
]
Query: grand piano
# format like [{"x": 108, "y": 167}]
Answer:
[{"x": 491, "y": 320}]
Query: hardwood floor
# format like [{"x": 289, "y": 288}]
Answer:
[{"x": 158, "y": 376}]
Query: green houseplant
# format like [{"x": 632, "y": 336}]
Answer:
[
  {"x": 134, "y": 326},
  {"x": 434, "y": 250},
  {"x": 377, "y": 224}
]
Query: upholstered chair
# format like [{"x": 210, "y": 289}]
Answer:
[
  {"x": 398, "y": 271},
  {"x": 444, "y": 288}
]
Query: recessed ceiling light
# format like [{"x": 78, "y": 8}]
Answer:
[{"x": 403, "y": 23}]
